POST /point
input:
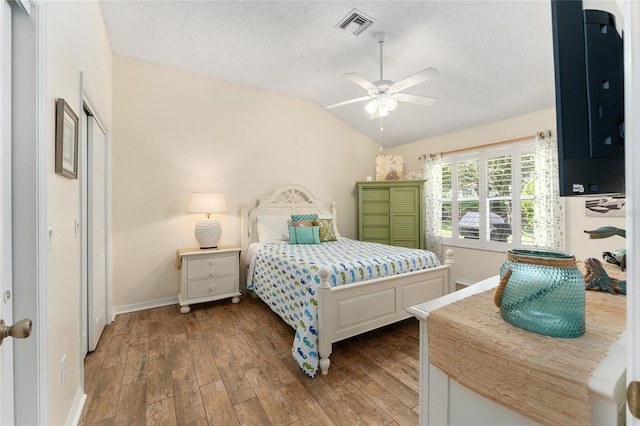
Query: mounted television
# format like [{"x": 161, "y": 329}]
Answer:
[{"x": 589, "y": 81}]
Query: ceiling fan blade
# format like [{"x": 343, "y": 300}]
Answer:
[
  {"x": 360, "y": 81},
  {"x": 414, "y": 79},
  {"x": 350, "y": 101},
  {"x": 413, "y": 99}
]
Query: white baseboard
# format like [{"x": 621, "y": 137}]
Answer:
[
  {"x": 462, "y": 281},
  {"x": 123, "y": 309},
  {"x": 73, "y": 418}
]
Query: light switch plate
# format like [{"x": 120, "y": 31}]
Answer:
[{"x": 50, "y": 236}]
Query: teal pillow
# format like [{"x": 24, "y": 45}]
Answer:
[
  {"x": 298, "y": 217},
  {"x": 327, "y": 231},
  {"x": 309, "y": 235}
]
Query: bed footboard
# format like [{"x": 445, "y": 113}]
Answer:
[{"x": 348, "y": 310}]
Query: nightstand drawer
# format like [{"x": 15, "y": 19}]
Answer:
[
  {"x": 207, "y": 288},
  {"x": 211, "y": 267}
]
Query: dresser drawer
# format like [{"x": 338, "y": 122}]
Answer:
[
  {"x": 210, "y": 288},
  {"x": 376, "y": 207},
  {"x": 211, "y": 267},
  {"x": 375, "y": 194},
  {"x": 375, "y": 220}
]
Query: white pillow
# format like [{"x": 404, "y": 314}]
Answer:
[{"x": 273, "y": 228}]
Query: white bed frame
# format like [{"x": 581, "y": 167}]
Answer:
[{"x": 352, "y": 309}]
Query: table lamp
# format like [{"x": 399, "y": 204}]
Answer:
[{"x": 208, "y": 231}]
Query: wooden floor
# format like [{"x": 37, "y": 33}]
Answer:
[{"x": 226, "y": 364}]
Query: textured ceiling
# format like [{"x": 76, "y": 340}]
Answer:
[{"x": 494, "y": 58}]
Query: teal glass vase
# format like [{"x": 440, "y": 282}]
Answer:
[{"x": 542, "y": 291}]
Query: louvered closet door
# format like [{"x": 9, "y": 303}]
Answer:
[{"x": 405, "y": 217}]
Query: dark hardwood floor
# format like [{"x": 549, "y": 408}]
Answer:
[{"x": 226, "y": 364}]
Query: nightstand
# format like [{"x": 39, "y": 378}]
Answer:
[{"x": 207, "y": 275}]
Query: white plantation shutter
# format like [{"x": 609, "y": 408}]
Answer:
[{"x": 487, "y": 197}]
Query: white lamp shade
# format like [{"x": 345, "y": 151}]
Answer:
[{"x": 207, "y": 202}]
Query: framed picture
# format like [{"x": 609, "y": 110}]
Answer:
[
  {"x": 609, "y": 205},
  {"x": 389, "y": 167},
  {"x": 66, "y": 140}
]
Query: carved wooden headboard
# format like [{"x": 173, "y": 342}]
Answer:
[{"x": 284, "y": 201}]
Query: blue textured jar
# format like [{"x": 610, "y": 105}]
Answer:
[{"x": 542, "y": 291}]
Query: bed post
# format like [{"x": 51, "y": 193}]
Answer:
[
  {"x": 448, "y": 260},
  {"x": 244, "y": 243},
  {"x": 325, "y": 321},
  {"x": 244, "y": 233},
  {"x": 334, "y": 213}
]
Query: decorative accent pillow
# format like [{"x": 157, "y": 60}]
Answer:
[
  {"x": 273, "y": 228},
  {"x": 327, "y": 231},
  {"x": 335, "y": 228},
  {"x": 309, "y": 235},
  {"x": 303, "y": 223},
  {"x": 298, "y": 217}
]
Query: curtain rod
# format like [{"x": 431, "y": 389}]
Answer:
[{"x": 487, "y": 145}]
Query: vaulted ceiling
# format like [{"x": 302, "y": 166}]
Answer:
[{"x": 494, "y": 58}]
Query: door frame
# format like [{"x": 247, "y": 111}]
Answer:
[{"x": 631, "y": 15}]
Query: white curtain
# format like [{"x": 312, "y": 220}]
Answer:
[
  {"x": 432, "y": 173},
  {"x": 548, "y": 225}
]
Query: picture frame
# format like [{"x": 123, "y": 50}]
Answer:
[
  {"x": 66, "y": 140},
  {"x": 614, "y": 205},
  {"x": 389, "y": 167}
]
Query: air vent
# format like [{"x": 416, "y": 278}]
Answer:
[{"x": 355, "y": 22}]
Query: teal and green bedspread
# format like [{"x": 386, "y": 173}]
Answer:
[{"x": 285, "y": 276}]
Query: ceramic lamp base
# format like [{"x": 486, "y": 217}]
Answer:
[{"x": 208, "y": 233}]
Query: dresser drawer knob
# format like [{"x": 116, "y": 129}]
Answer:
[
  {"x": 211, "y": 274},
  {"x": 212, "y": 288}
]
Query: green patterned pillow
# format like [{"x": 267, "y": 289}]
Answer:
[
  {"x": 308, "y": 235},
  {"x": 327, "y": 231}
]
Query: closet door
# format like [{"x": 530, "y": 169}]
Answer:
[
  {"x": 97, "y": 288},
  {"x": 406, "y": 213}
]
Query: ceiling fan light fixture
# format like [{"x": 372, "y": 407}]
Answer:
[
  {"x": 390, "y": 103},
  {"x": 372, "y": 106}
]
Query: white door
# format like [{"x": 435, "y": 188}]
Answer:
[
  {"x": 6, "y": 311},
  {"x": 97, "y": 290},
  {"x": 13, "y": 16}
]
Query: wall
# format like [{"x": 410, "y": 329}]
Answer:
[
  {"x": 176, "y": 132},
  {"x": 76, "y": 42},
  {"x": 475, "y": 265}
]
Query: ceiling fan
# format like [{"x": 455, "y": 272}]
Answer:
[{"x": 384, "y": 95}]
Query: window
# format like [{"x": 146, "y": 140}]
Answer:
[{"x": 488, "y": 196}]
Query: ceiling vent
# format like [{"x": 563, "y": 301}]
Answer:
[{"x": 355, "y": 22}]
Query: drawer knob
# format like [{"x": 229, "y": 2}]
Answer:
[
  {"x": 211, "y": 274},
  {"x": 212, "y": 288},
  {"x": 211, "y": 262}
]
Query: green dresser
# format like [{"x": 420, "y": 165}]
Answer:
[{"x": 391, "y": 212}]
